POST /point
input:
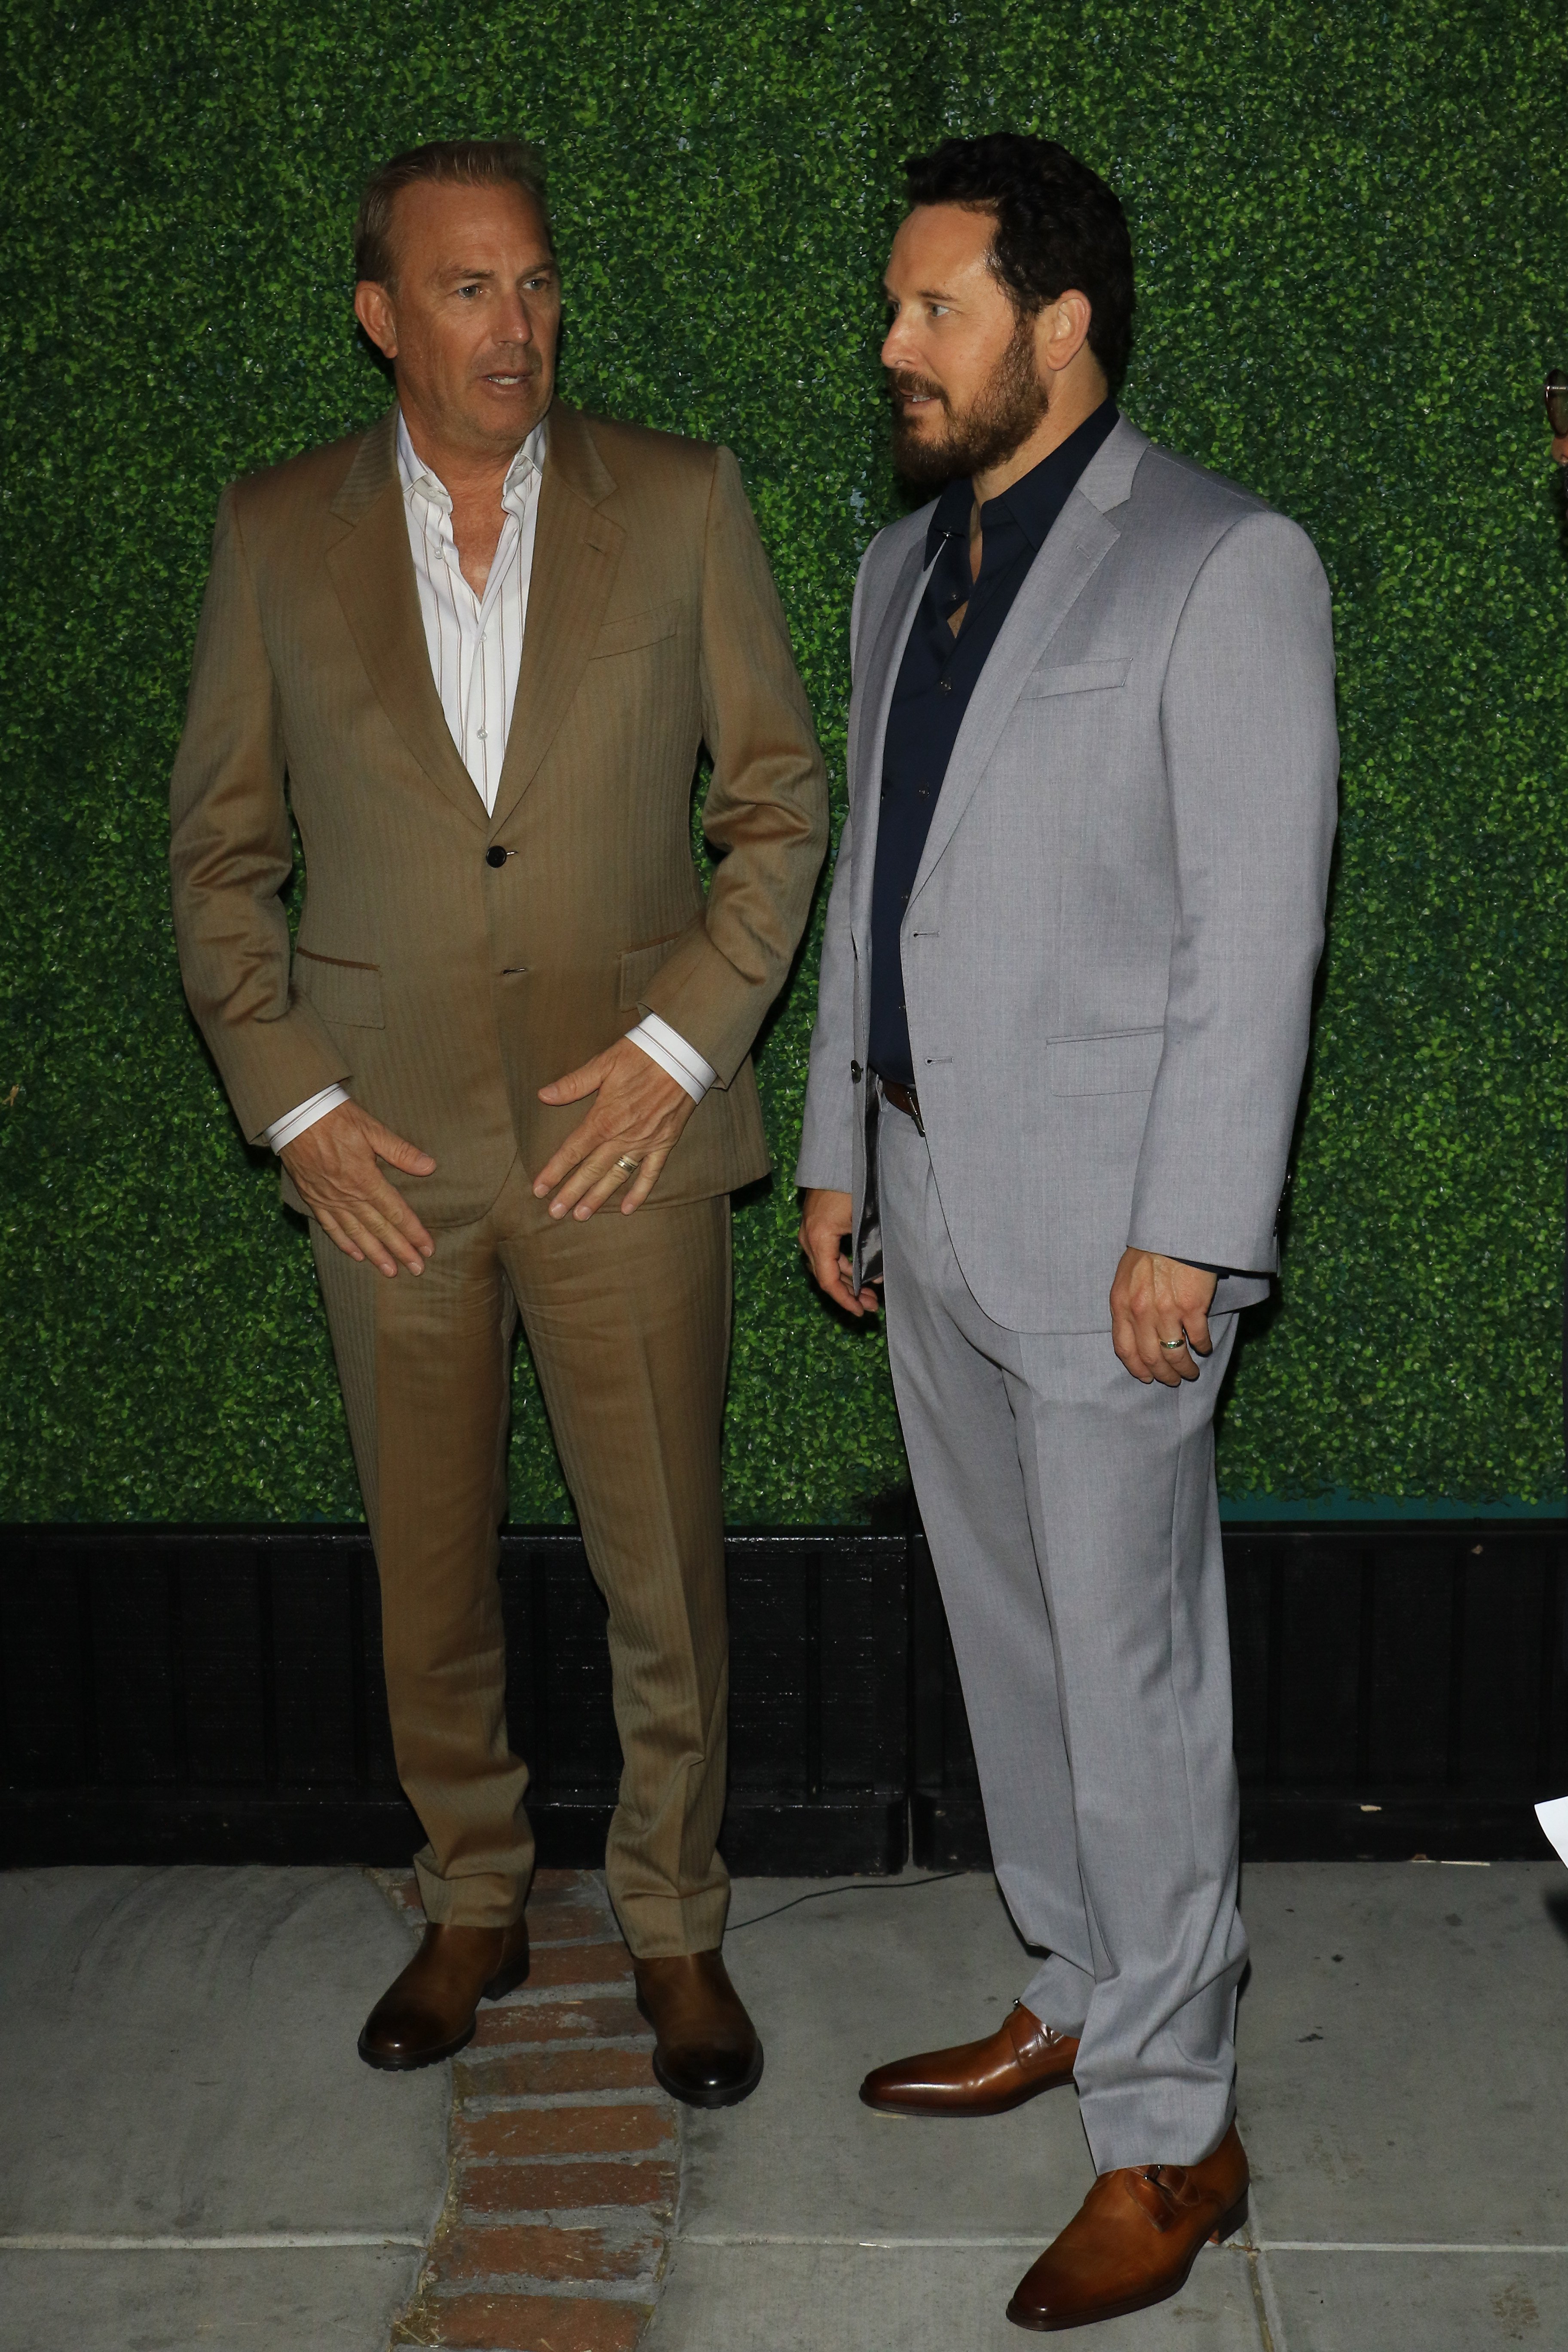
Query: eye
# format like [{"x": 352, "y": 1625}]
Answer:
[{"x": 465, "y": 292}]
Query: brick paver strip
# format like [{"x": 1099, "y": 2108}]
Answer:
[
  {"x": 564, "y": 2154},
  {"x": 536, "y": 2251},
  {"x": 602, "y": 2015},
  {"x": 521, "y": 2071},
  {"x": 579, "y": 1964},
  {"x": 494, "y": 2188},
  {"x": 564, "y": 2131},
  {"x": 525, "y": 2323}
]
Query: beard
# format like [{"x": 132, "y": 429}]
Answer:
[{"x": 998, "y": 420}]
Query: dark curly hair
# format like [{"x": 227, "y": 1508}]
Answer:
[{"x": 1058, "y": 225}]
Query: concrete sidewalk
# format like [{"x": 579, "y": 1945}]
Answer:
[
  {"x": 191, "y": 2152},
  {"x": 1405, "y": 2081},
  {"x": 192, "y": 2155}
]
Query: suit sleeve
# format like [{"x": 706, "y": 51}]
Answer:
[
  {"x": 766, "y": 811},
  {"x": 1252, "y": 759},
  {"x": 827, "y": 1134},
  {"x": 231, "y": 853}
]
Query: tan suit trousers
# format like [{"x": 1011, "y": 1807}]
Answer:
[{"x": 628, "y": 1322}]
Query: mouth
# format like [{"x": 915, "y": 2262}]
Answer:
[{"x": 911, "y": 399}]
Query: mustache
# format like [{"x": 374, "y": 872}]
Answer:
[{"x": 902, "y": 384}]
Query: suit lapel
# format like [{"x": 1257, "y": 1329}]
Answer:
[
  {"x": 576, "y": 554},
  {"x": 868, "y": 721},
  {"x": 373, "y": 571},
  {"x": 1077, "y": 547}
]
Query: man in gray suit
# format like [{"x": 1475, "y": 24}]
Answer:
[{"x": 1063, "y": 1019}]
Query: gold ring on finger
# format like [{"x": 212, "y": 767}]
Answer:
[
  {"x": 1174, "y": 1343},
  {"x": 627, "y": 1165}
]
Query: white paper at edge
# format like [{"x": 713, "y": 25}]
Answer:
[{"x": 1553, "y": 1819}]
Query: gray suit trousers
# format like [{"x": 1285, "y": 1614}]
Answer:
[{"x": 1074, "y": 1526}]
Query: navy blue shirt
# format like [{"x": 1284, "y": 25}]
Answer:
[{"x": 936, "y": 677}]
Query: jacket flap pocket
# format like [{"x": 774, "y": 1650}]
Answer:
[
  {"x": 1075, "y": 677},
  {"x": 638, "y": 965},
  {"x": 637, "y": 629},
  {"x": 1122, "y": 1063},
  {"x": 338, "y": 991}
]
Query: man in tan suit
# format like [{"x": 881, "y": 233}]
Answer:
[{"x": 483, "y": 642}]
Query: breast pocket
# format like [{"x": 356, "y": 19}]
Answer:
[
  {"x": 636, "y": 630},
  {"x": 1122, "y": 1064},
  {"x": 339, "y": 990},
  {"x": 1075, "y": 677}
]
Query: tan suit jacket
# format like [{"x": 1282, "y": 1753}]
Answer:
[{"x": 445, "y": 991}]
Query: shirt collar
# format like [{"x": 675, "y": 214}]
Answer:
[
  {"x": 419, "y": 479},
  {"x": 1037, "y": 497}
]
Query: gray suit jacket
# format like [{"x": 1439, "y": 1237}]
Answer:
[{"x": 1109, "y": 946}]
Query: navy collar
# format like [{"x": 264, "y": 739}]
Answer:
[{"x": 1036, "y": 498}]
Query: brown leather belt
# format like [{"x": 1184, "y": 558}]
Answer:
[{"x": 903, "y": 1098}]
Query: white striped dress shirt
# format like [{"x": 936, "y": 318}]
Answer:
[{"x": 475, "y": 645}]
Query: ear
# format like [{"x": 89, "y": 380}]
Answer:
[
  {"x": 1061, "y": 330},
  {"x": 374, "y": 310}
]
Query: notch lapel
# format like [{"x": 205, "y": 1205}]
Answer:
[
  {"x": 576, "y": 554},
  {"x": 1072, "y": 554},
  {"x": 868, "y": 722},
  {"x": 373, "y": 571}
]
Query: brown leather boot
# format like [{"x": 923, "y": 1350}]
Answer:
[
  {"x": 1135, "y": 2239},
  {"x": 705, "y": 2051},
  {"x": 427, "y": 2013},
  {"x": 1017, "y": 2062}
]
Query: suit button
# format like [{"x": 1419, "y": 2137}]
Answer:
[
  {"x": 856, "y": 1073},
  {"x": 495, "y": 855}
]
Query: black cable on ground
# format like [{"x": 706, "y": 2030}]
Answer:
[{"x": 887, "y": 1886}]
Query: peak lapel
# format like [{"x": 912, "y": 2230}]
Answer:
[
  {"x": 1071, "y": 557},
  {"x": 868, "y": 721},
  {"x": 577, "y": 553},
  {"x": 373, "y": 573}
]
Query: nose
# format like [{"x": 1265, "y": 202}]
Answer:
[
  {"x": 514, "y": 324},
  {"x": 897, "y": 346}
]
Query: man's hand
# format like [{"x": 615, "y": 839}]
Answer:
[
  {"x": 335, "y": 1174},
  {"x": 823, "y": 1231},
  {"x": 1158, "y": 1298},
  {"x": 639, "y": 1115}
]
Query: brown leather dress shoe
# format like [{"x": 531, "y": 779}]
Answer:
[
  {"x": 1017, "y": 2062},
  {"x": 427, "y": 2013},
  {"x": 706, "y": 2050},
  {"x": 1135, "y": 2239}
]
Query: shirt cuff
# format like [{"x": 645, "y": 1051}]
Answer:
[
  {"x": 669, "y": 1049},
  {"x": 294, "y": 1123}
]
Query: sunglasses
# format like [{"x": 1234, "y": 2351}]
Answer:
[{"x": 1557, "y": 400}]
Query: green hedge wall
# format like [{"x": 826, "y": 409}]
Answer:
[{"x": 1352, "y": 243}]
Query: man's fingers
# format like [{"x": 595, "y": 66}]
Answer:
[
  {"x": 336, "y": 1234},
  {"x": 577, "y": 1083},
  {"x": 397, "y": 1150},
  {"x": 639, "y": 1186},
  {"x": 607, "y": 1182},
  {"x": 1196, "y": 1327},
  {"x": 572, "y": 1156},
  {"x": 832, "y": 1270}
]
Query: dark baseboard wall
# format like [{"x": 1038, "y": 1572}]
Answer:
[{"x": 215, "y": 1694}]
